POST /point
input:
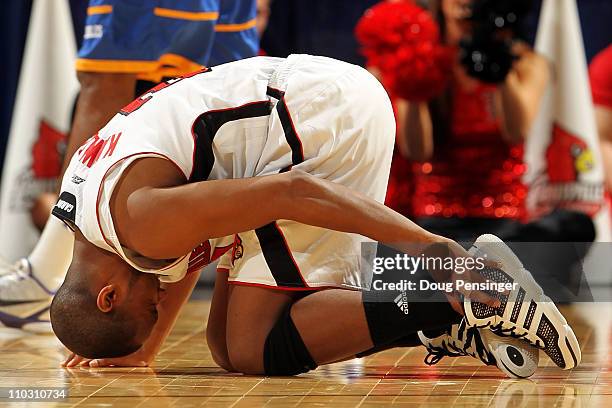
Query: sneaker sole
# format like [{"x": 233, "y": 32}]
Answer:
[
  {"x": 560, "y": 342},
  {"x": 35, "y": 320}
]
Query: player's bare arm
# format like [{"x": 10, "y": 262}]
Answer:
[{"x": 216, "y": 208}]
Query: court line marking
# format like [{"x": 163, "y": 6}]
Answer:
[{"x": 247, "y": 393}]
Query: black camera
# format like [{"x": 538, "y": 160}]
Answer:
[{"x": 487, "y": 51}]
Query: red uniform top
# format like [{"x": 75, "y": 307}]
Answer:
[
  {"x": 601, "y": 86},
  {"x": 400, "y": 189},
  {"x": 600, "y": 72},
  {"x": 473, "y": 173}
]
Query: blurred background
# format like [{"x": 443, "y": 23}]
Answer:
[{"x": 320, "y": 27}]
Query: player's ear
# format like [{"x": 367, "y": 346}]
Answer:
[{"x": 107, "y": 298}]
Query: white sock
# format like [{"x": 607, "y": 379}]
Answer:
[{"x": 52, "y": 254}]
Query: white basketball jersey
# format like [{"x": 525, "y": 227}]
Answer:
[
  {"x": 212, "y": 124},
  {"x": 248, "y": 118}
]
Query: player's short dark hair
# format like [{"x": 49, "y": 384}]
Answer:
[{"x": 86, "y": 330}]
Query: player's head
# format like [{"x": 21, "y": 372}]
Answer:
[{"x": 104, "y": 308}]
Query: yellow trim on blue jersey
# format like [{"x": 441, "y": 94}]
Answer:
[
  {"x": 186, "y": 15},
  {"x": 103, "y": 9},
  {"x": 229, "y": 28},
  {"x": 118, "y": 66},
  {"x": 168, "y": 65}
]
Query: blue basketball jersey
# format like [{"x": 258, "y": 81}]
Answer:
[{"x": 161, "y": 38}]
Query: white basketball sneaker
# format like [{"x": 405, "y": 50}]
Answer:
[
  {"x": 525, "y": 311},
  {"x": 24, "y": 300},
  {"x": 514, "y": 357}
]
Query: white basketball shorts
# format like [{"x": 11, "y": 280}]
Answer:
[{"x": 339, "y": 124}]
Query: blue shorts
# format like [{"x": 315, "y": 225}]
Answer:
[{"x": 164, "y": 38}]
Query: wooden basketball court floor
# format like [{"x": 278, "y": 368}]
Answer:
[{"x": 184, "y": 375}]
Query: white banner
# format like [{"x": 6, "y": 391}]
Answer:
[
  {"x": 563, "y": 154},
  {"x": 45, "y": 95}
]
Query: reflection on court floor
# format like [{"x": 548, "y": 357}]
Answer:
[{"x": 185, "y": 375}]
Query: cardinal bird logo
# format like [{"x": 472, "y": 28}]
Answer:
[
  {"x": 567, "y": 156},
  {"x": 237, "y": 249},
  {"x": 39, "y": 174},
  {"x": 48, "y": 152}
]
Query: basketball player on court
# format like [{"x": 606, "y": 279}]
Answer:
[{"x": 280, "y": 165}]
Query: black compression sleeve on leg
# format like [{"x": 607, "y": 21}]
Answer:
[
  {"x": 284, "y": 351},
  {"x": 390, "y": 317},
  {"x": 395, "y": 314}
]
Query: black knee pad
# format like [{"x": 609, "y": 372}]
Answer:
[{"x": 284, "y": 352}]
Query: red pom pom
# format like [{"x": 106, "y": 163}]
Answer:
[
  {"x": 422, "y": 72},
  {"x": 388, "y": 25},
  {"x": 403, "y": 41}
]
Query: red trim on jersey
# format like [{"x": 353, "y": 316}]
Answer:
[
  {"x": 193, "y": 135},
  {"x": 195, "y": 267},
  {"x": 200, "y": 259},
  {"x": 146, "y": 154},
  {"x": 218, "y": 252}
]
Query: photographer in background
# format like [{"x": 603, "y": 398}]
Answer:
[
  {"x": 601, "y": 85},
  {"x": 466, "y": 90},
  {"x": 468, "y": 139}
]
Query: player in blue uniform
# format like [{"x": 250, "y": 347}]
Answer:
[
  {"x": 128, "y": 46},
  {"x": 166, "y": 38}
]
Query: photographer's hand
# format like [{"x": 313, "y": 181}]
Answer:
[{"x": 521, "y": 93}]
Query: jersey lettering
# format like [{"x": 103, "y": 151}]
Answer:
[
  {"x": 92, "y": 152},
  {"x": 63, "y": 205},
  {"x": 112, "y": 143},
  {"x": 146, "y": 97}
]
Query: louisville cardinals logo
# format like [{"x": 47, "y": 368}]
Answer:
[
  {"x": 567, "y": 157},
  {"x": 48, "y": 152},
  {"x": 40, "y": 174},
  {"x": 568, "y": 160},
  {"x": 237, "y": 249}
]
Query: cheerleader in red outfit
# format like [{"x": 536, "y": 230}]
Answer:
[
  {"x": 381, "y": 35},
  {"x": 601, "y": 85},
  {"x": 464, "y": 135}
]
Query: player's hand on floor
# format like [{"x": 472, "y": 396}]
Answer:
[
  {"x": 74, "y": 360},
  {"x": 136, "y": 359}
]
